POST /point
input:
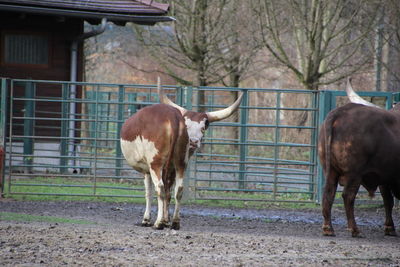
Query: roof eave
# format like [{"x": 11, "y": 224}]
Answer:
[
  {"x": 139, "y": 19},
  {"x": 161, "y": 6}
]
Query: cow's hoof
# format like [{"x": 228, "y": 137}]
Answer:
[
  {"x": 166, "y": 224},
  {"x": 357, "y": 234},
  {"x": 327, "y": 231},
  {"x": 146, "y": 223},
  {"x": 175, "y": 226},
  {"x": 159, "y": 226},
  {"x": 390, "y": 231}
]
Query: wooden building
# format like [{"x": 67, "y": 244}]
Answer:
[
  {"x": 37, "y": 36},
  {"x": 43, "y": 40}
]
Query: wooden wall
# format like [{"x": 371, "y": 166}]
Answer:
[{"x": 60, "y": 32}]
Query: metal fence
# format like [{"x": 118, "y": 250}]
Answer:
[{"x": 67, "y": 142}]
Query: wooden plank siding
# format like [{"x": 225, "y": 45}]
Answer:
[
  {"x": 32, "y": 23},
  {"x": 60, "y": 32},
  {"x": 60, "y": 35}
]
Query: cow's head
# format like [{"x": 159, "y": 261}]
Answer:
[{"x": 198, "y": 122}]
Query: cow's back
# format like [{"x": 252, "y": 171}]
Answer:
[
  {"x": 363, "y": 140},
  {"x": 150, "y": 136}
]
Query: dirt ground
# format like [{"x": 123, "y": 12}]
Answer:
[{"x": 208, "y": 237}]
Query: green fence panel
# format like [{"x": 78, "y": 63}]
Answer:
[
  {"x": 253, "y": 165},
  {"x": 265, "y": 153}
]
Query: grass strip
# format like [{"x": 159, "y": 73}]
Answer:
[{"x": 22, "y": 217}]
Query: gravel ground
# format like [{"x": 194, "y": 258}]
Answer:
[{"x": 208, "y": 237}]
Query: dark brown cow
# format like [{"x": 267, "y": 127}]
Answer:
[
  {"x": 360, "y": 145},
  {"x": 158, "y": 141}
]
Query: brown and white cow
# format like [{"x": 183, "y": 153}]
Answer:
[
  {"x": 359, "y": 144},
  {"x": 158, "y": 141}
]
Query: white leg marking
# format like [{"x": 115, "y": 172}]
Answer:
[
  {"x": 159, "y": 187},
  {"x": 149, "y": 195}
]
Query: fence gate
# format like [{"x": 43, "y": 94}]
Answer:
[
  {"x": 265, "y": 153},
  {"x": 66, "y": 142}
]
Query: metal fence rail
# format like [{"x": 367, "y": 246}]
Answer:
[
  {"x": 68, "y": 144},
  {"x": 266, "y": 160}
]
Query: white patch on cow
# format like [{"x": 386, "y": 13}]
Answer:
[
  {"x": 195, "y": 131},
  {"x": 139, "y": 153}
]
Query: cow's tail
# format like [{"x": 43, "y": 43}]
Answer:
[
  {"x": 165, "y": 172},
  {"x": 328, "y": 132}
]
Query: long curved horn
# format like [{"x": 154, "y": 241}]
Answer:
[
  {"x": 165, "y": 100},
  {"x": 355, "y": 98},
  {"x": 224, "y": 113}
]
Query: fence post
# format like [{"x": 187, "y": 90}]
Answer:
[
  {"x": 314, "y": 144},
  {"x": 389, "y": 101},
  {"x": 132, "y": 108},
  {"x": 396, "y": 100},
  {"x": 327, "y": 102},
  {"x": 189, "y": 98},
  {"x": 243, "y": 138},
  {"x": 277, "y": 143},
  {"x": 3, "y": 127},
  {"x": 120, "y": 118},
  {"x": 64, "y": 129},
  {"x": 189, "y": 192},
  {"x": 29, "y": 107},
  {"x": 396, "y": 97},
  {"x": 179, "y": 93}
]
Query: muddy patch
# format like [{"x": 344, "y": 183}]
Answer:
[{"x": 218, "y": 236}]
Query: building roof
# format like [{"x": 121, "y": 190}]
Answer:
[{"x": 118, "y": 11}]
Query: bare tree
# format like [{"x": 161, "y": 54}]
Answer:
[
  {"x": 321, "y": 41},
  {"x": 207, "y": 44},
  {"x": 235, "y": 50},
  {"x": 391, "y": 62}
]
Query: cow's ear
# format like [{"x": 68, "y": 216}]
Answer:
[{"x": 207, "y": 123}]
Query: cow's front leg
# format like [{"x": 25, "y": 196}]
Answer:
[
  {"x": 160, "y": 189},
  {"x": 149, "y": 195},
  {"x": 388, "y": 203},
  {"x": 176, "y": 220},
  {"x": 350, "y": 191},
  {"x": 327, "y": 202}
]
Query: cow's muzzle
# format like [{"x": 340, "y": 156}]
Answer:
[{"x": 194, "y": 144}]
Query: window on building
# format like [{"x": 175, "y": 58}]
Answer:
[{"x": 25, "y": 49}]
